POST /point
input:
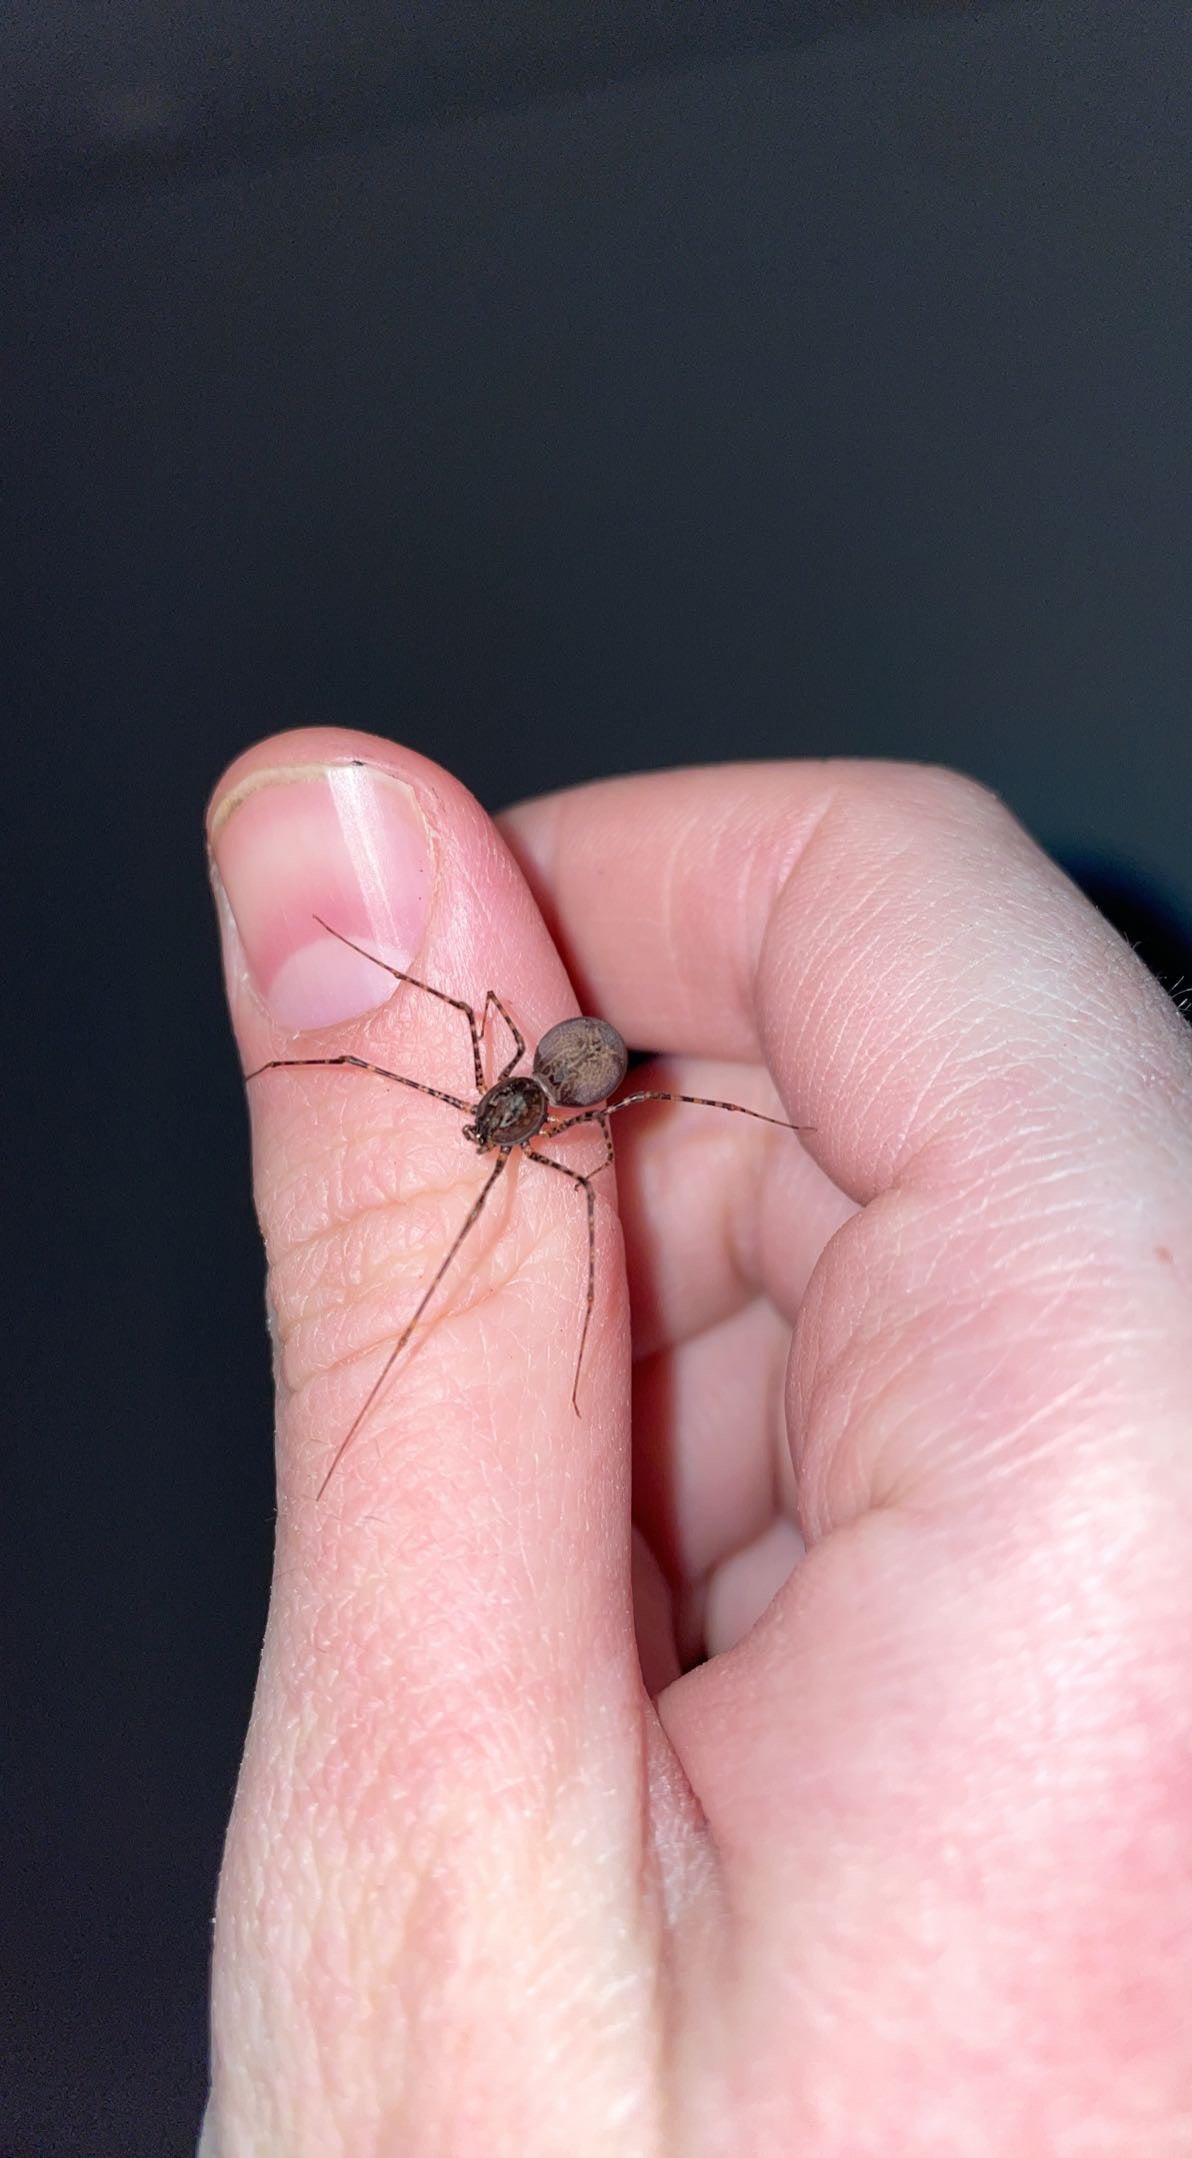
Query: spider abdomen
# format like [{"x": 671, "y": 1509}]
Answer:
[{"x": 579, "y": 1062}]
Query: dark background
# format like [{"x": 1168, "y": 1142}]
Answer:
[{"x": 562, "y": 389}]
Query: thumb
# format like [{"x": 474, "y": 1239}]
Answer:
[{"x": 449, "y": 1675}]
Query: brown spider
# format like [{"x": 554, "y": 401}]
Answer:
[{"x": 577, "y": 1065}]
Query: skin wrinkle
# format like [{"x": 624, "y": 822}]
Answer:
[
  {"x": 313, "y": 1345},
  {"x": 758, "y": 873},
  {"x": 771, "y": 907},
  {"x": 988, "y": 1454},
  {"x": 977, "y": 1101},
  {"x": 849, "y": 959},
  {"x": 364, "y": 1243},
  {"x": 426, "y": 1205},
  {"x": 982, "y": 1464},
  {"x": 843, "y": 970},
  {"x": 321, "y": 1193},
  {"x": 972, "y": 1018},
  {"x": 358, "y": 1260},
  {"x": 829, "y": 1400}
]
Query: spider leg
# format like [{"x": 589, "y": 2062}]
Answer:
[
  {"x": 360, "y": 1064},
  {"x": 501, "y": 1163},
  {"x": 585, "y": 1184},
  {"x": 490, "y": 999},
  {"x": 590, "y": 1116},
  {"x": 399, "y": 975},
  {"x": 701, "y": 1101}
]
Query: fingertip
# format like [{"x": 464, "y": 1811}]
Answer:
[{"x": 297, "y": 751}]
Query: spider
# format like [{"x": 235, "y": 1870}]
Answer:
[{"x": 577, "y": 1065}]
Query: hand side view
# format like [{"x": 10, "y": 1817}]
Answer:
[{"x": 844, "y": 1807}]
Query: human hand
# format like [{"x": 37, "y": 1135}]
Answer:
[{"x": 906, "y": 1866}]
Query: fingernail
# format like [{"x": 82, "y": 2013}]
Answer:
[{"x": 345, "y": 842}]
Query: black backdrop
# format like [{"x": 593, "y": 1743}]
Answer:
[{"x": 622, "y": 405}]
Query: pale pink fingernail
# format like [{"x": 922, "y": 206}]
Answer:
[{"x": 344, "y": 842}]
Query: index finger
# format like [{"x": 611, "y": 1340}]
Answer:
[{"x": 913, "y": 968}]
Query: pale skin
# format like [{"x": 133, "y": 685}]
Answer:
[{"x": 903, "y": 1423}]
